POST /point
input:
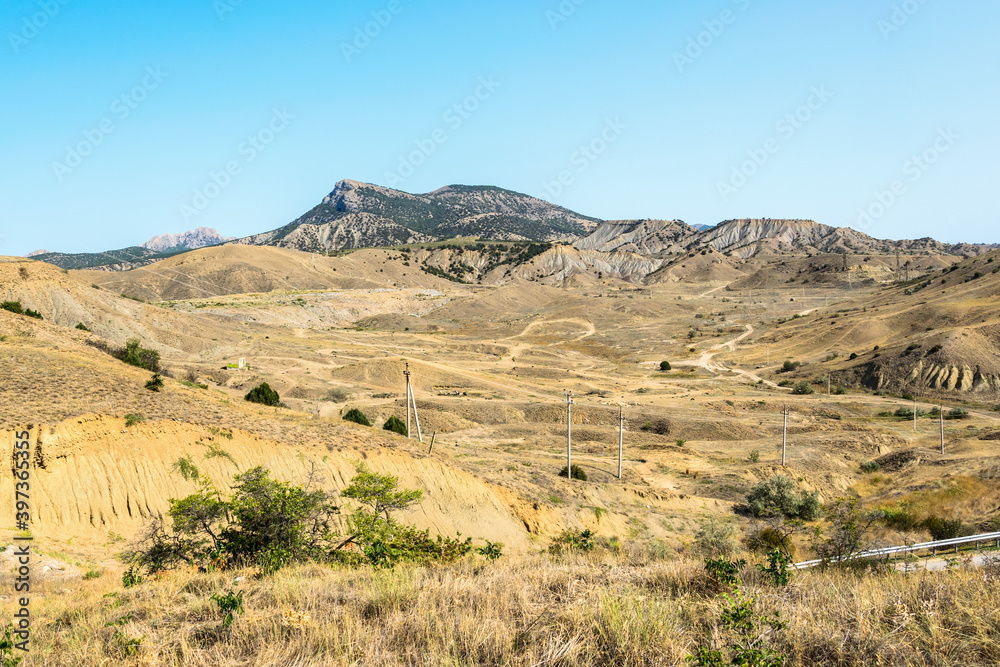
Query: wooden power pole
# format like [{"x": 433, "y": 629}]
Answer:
[
  {"x": 411, "y": 401},
  {"x": 784, "y": 436},
  {"x": 621, "y": 438},
  {"x": 941, "y": 416},
  {"x": 569, "y": 436}
]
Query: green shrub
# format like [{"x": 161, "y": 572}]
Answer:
[
  {"x": 336, "y": 395},
  {"x": 665, "y": 366},
  {"x": 576, "y": 471},
  {"x": 492, "y": 550},
  {"x": 396, "y": 425},
  {"x": 957, "y": 413},
  {"x": 786, "y": 383},
  {"x": 755, "y": 456},
  {"x": 946, "y": 529},
  {"x": 870, "y": 466},
  {"x": 155, "y": 383},
  {"x": 748, "y": 635},
  {"x": 854, "y": 355},
  {"x": 725, "y": 572},
  {"x": 789, "y": 366},
  {"x": 133, "y": 419},
  {"x": 777, "y": 567},
  {"x": 13, "y": 306},
  {"x": 715, "y": 539},
  {"x": 840, "y": 390},
  {"x": 356, "y": 416},
  {"x": 780, "y": 496},
  {"x": 264, "y": 395},
  {"x": 82, "y": 327},
  {"x": 571, "y": 540},
  {"x": 131, "y": 577},
  {"x": 229, "y": 604},
  {"x": 803, "y": 389},
  {"x": 134, "y": 354}
]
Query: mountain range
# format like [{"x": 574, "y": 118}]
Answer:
[{"x": 362, "y": 215}]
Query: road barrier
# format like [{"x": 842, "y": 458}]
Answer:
[{"x": 907, "y": 549}]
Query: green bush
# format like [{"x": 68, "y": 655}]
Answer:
[
  {"x": 229, "y": 604},
  {"x": 576, "y": 471},
  {"x": 155, "y": 383},
  {"x": 946, "y": 529},
  {"x": 264, "y": 395},
  {"x": 396, "y": 425},
  {"x": 356, "y": 416},
  {"x": 803, "y": 389},
  {"x": 134, "y": 354},
  {"x": 789, "y": 366},
  {"x": 664, "y": 365},
  {"x": 715, "y": 539},
  {"x": 780, "y": 496},
  {"x": 13, "y": 306},
  {"x": 840, "y": 390},
  {"x": 957, "y": 413},
  {"x": 133, "y": 419},
  {"x": 755, "y": 456},
  {"x": 82, "y": 327},
  {"x": 571, "y": 540},
  {"x": 337, "y": 395},
  {"x": 870, "y": 466}
]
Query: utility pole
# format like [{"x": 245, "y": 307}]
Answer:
[
  {"x": 941, "y": 416},
  {"x": 914, "y": 414},
  {"x": 621, "y": 438},
  {"x": 569, "y": 439},
  {"x": 407, "y": 374},
  {"x": 768, "y": 354},
  {"x": 784, "y": 435},
  {"x": 829, "y": 390},
  {"x": 410, "y": 400}
]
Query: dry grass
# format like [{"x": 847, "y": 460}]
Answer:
[{"x": 601, "y": 609}]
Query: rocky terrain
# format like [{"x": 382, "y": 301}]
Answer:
[{"x": 192, "y": 240}]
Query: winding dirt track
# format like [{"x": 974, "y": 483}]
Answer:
[{"x": 707, "y": 359}]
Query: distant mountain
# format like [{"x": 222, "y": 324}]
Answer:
[
  {"x": 754, "y": 237},
  {"x": 647, "y": 237},
  {"x": 357, "y": 215},
  {"x": 192, "y": 240},
  {"x": 112, "y": 260},
  {"x": 702, "y": 228},
  {"x": 37, "y": 253}
]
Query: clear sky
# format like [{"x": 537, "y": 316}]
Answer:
[{"x": 125, "y": 120}]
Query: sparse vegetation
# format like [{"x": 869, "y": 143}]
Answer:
[
  {"x": 155, "y": 383},
  {"x": 336, "y": 395},
  {"x": 803, "y": 389}
]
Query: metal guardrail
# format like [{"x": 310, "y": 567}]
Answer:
[{"x": 888, "y": 552}]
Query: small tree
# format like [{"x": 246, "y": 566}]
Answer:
[
  {"x": 779, "y": 496},
  {"x": 264, "y": 395},
  {"x": 396, "y": 425},
  {"x": 356, "y": 416},
  {"x": 155, "y": 383},
  {"x": 803, "y": 389},
  {"x": 664, "y": 365},
  {"x": 849, "y": 529}
]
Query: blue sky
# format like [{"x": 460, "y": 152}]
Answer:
[{"x": 125, "y": 120}]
